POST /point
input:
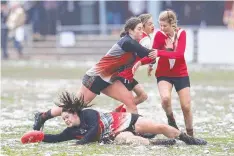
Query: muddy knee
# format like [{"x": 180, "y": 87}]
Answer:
[
  {"x": 166, "y": 101},
  {"x": 143, "y": 97}
]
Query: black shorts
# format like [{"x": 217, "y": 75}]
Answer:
[
  {"x": 178, "y": 82},
  {"x": 94, "y": 83},
  {"x": 129, "y": 85},
  {"x": 131, "y": 127}
]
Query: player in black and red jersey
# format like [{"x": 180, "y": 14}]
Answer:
[{"x": 126, "y": 76}]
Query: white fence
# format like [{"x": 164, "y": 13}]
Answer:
[
  {"x": 208, "y": 45},
  {"x": 213, "y": 46}
]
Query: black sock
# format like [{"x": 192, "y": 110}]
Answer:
[
  {"x": 47, "y": 115},
  {"x": 171, "y": 117},
  {"x": 171, "y": 120}
]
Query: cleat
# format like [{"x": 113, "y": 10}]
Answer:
[
  {"x": 38, "y": 122},
  {"x": 191, "y": 140},
  {"x": 163, "y": 142}
]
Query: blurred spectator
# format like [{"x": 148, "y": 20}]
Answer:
[
  {"x": 228, "y": 16},
  {"x": 4, "y": 29},
  {"x": 197, "y": 13},
  {"x": 136, "y": 7},
  {"x": 51, "y": 13},
  {"x": 15, "y": 24},
  {"x": 38, "y": 19},
  {"x": 114, "y": 16},
  {"x": 68, "y": 12}
]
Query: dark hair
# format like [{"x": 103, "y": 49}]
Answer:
[
  {"x": 130, "y": 24},
  {"x": 71, "y": 103}
]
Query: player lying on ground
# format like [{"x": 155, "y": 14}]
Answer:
[{"x": 89, "y": 125}]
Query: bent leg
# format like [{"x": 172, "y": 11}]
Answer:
[
  {"x": 185, "y": 101},
  {"x": 147, "y": 126},
  {"x": 141, "y": 95},
  {"x": 127, "y": 137},
  {"x": 165, "y": 89},
  {"x": 119, "y": 92}
]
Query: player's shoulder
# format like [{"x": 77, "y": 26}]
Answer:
[
  {"x": 86, "y": 110},
  {"x": 125, "y": 40},
  {"x": 159, "y": 33},
  {"x": 180, "y": 32}
]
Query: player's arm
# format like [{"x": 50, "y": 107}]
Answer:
[
  {"x": 134, "y": 46},
  {"x": 38, "y": 136},
  {"x": 66, "y": 135},
  {"x": 179, "y": 52}
]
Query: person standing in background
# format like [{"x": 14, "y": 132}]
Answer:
[
  {"x": 15, "y": 24},
  {"x": 228, "y": 16},
  {"x": 51, "y": 13},
  {"x": 4, "y": 29}
]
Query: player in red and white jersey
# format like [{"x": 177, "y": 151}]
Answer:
[
  {"x": 171, "y": 70},
  {"x": 126, "y": 76}
]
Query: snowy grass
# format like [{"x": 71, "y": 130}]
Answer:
[{"x": 27, "y": 87}]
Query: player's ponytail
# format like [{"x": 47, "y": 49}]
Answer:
[{"x": 123, "y": 33}]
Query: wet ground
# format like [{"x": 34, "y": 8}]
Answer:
[{"x": 30, "y": 86}]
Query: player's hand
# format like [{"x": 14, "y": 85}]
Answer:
[
  {"x": 135, "y": 67},
  {"x": 153, "y": 54},
  {"x": 149, "y": 70}
]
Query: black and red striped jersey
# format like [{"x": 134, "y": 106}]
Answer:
[{"x": 118, "y": 58}]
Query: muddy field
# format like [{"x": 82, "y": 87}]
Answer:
[{"x": 30, "y": 86}]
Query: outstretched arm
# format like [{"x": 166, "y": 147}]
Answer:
[
  {"x": 38, "y": 136},
  {"x": 134, "y": 46},
  {"x": 66, "y": 135}
]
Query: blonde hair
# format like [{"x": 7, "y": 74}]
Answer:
[
  {"x": 170, "y": 17},
  {"x": 144, "y": 18}
]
